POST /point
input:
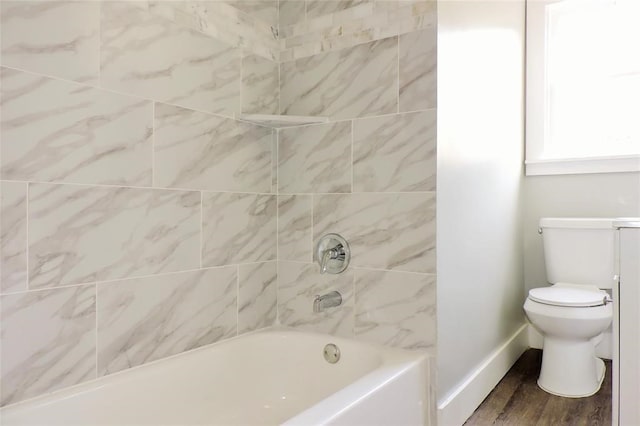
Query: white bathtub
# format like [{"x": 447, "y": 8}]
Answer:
[{"x": 275, "y": 376}]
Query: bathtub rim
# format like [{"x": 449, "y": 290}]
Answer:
[{"x": 396, "y": 356}]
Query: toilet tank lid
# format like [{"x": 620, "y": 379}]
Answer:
[
  {"x": 569, "y": 295},
  {"x": 578, "y": 222}
]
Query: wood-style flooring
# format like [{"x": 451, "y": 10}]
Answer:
[{"x": 517, "y": 400}]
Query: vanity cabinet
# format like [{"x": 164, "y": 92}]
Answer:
[{"x": 629, "y": 326}]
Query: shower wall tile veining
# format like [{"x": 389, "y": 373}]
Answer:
[
  {"x": 337, "y": 24},
  {"x": 138, "y": 218},
  {"x": 357, "y": 81},
  {"x": 141, "y": 218},
  {"x": 369, "y": 174}
]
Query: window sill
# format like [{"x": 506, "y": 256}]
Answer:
[{"x": 575, "y": 166}]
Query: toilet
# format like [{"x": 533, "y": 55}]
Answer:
[{"x": 575, "y": 310}]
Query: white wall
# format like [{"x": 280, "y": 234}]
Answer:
[
  {"x": 590, "y": 195},
  {"x": 480, "y": 178}
]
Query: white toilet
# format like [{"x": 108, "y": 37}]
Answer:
[{"x": 574, "y": 312}]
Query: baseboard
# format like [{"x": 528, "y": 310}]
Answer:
[{"x": 462, "y": 402}]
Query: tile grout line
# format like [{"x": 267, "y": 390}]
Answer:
[
  {"x": 116, "y": 92},
  {"x": 115, "y": 281},
  {"x": 339, "y": 49},
  {"x": 277, "y": 189},
  {"x": 364, "y": 117},
  {"x": 27, "y": 250},
  {"x": 36, "y": 290},
  {"x": 242, "y": 57},
  {"x": 279, "y": 85},
  {"x": 153, "y": 144},
  {"x": 96, "y": 329},
  {"x": 189, "y": 108},
  {"x": 367, "y": 268},
  {"x": 355, "y": 302},
  {"x": 352, "y": 142},
  {"x": 274, "y": 162},
  {"x": 398, "y": 75},
  {"x": 311, "y": 247},
  {"x": 360, "y": 193},
  {"x": 201, "y": 227},
  {"x": 237, "y": 300},
  {"x": 115, "y": 186},
  {"x": 100, "y": 41}
]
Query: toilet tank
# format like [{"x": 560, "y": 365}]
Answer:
[{"x": 579, "y": 250}]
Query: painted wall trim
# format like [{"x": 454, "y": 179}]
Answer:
[
  {"x": 572, "y": 166},
  {"x": 455, "y": 408}
]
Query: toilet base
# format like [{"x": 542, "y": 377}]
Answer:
[{"x": 570, "y": 368}]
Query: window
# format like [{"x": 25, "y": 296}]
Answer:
[{"x": 583, "y": 86}]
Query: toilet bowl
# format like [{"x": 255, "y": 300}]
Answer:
[
  {"x": 574, "y": 311},
  {"x": 571, "y": 318}
]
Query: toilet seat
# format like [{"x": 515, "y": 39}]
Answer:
[{"x": 569, "y": 295}]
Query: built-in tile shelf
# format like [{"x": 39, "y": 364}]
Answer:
[{"x": 277, "y": 121}]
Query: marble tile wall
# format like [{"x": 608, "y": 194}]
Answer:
[
  {"x": 238, "y": 228},
  {"x": 392, "y": 274},
  {"x": 319, "y": 164},
  {"x": 246, "y": 24},
  {"x": 263, "y": 10},
  {"x": 310, "y": 27},
  {"x": 374, "y": 66},
  {"x": 292, "y": 29},
  {"x": 369, "y": 174},
  {"x": 199, "y": 150},
  {"x": 316, "y": 8},
  {"x": 390, "y": 73},
  {"x": 48, "y": 340},
  {"x": 144, "y": 319},
  {"x": 261, "y": 81},
  {"x": 291, "y": 12},
  {"x": 142, "y": 54},
  {"x": 299, "y": 283},
  {"x": 137, "y": 217}
]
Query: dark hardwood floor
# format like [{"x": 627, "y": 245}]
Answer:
[{"x": 517, "y": 400}]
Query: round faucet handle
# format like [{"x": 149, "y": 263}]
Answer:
[{"x": 333, "y": 254}]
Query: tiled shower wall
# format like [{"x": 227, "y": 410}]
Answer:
[
  {"x": 138, "y": 218},
  {"x": 309, "y": 27},
  {"x": 369, "y": 175}
]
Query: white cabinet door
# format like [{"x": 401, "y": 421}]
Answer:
[{"x": 629, "y": 397}]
